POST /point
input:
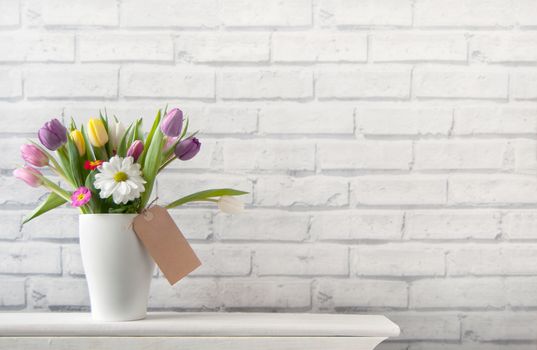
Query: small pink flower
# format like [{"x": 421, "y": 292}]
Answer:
[
  {"x": 29, "y": 175},
  {"x": 33, "y": 155},
  {"x": 80, "y": 197}
]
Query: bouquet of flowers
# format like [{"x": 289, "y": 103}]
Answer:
[{"x": 110, "y": 168}]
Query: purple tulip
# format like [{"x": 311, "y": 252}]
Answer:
[
  {"x": 53, "y": 134},
  {"x": 135, "y": 150},
  {"x": 187, "y": 149},
  {"x": 172, "y": 123}
]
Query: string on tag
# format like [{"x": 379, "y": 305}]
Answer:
[{"x": 148, "y": 216}]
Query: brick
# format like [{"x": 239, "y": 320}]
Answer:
[
  {"x": 12, "y": 293},
  {"x": 10, "y": 15},
  {"x": 432, "y": 326},
  {"x": 72, "y": 260},
  {"x": 59, "y": 224},
  {"x": 520, "y": 224},
  {"x": 25, "y": 258},
  {"x": 500, "y": 326},
  {"x": 319, "y": 47},
  {"x": 388, "y": 155},
  {"x": 10, "y": 83},
  {"x": 366, "y": 13},
  {"x": 11, "y": 225},
  {"x": 523, "y": 85},
  {"x": 191, "y": 293},
  {"x": 457, "y": 293},
  {"x": 460, "y": 83},
  {"x": 266, "y": 84},
  {"x": 262, "y": 293},
  {"x": 208, "y": 158},
  {"x": 286, "y": 191},
  {"x": 361, "y": 294},
  {"x": 266, "y": 13},
  {"x": 449, "y": 155},
  {"x": 80, "y": 13},
  {"x": 95, "y": 82},
  {"x": 411, "y": 47},
  {"x": 269, "y": 155},
  {"x": 194, "y": 224},
  {"x": 12, "y": 155},
  {"x": 306, "y": 119},
  {"x": 15, "y": 191},
  {"x": 497, "y": 189},
  {"x": 492, "y": 260},
  {"x": 357, "y": 225},
  {"x": 107, "y": 47},
  {"x": 225, "y": 120},
  {"x": 453, "y": 224},
  {"x": 463, "y": 13},
  {"x": 398, "y": 190},
  {"x": 165, "y": 82},
  {"x": 179, "y": 185},
  {"x": 222, "y": 260},
  {"x": 525, "y": 152},
  {"x": 58, "y": 293},
  {"x": 170, "y": 13},
  {"x": 363, "y": 83},
  {"x": 17, "y": 118},
  {"x": 262, "y": 225},
  {"x": 222, "y": 47},
  {"x": 397, "y": 260},
  {"x": 519, "y": 291},
  {"x": 495, "y": 120},
  {"x": 504, "y": 48},
  {"x": 37, "y": 47},
  {"x": 301, "y": 260},
  {"x": 403, "y": 121},
  {"x": 524, "y": 10}
]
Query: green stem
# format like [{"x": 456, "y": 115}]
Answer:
[{"x": 166, "y": 163}]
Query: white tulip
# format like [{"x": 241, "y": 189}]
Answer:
[
  {"x": 230, "y": 205},
  {"x": 116, "y": 130}
]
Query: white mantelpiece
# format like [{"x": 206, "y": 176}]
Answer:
[{"x": 202, "y": 331}]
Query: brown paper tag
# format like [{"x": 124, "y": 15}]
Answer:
[{"x": 165, "y": 243}]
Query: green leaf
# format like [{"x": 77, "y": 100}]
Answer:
[
  {"x": 204, "y": 195},
  {"x": 151, "y": 164},
  {"x": 74, "y": 162},
  {"x": 51, "y": 202},
  {"x": 122, "y": 148},
  {"x": 149, "y": 138},
  {"x": 90, "y": 179},
  {"x": 90, "y": 152}
]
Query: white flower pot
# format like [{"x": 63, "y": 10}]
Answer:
[{"x": 117, "y": 266}]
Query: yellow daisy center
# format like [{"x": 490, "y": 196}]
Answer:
[{"x": 120, "y": 176}]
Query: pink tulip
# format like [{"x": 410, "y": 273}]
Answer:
[
  {"x": 28, "y": 175},
  {"x": 135, "y": 150},
  {"x": 33, "y": 155}
]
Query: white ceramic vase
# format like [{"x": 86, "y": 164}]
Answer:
[{"x": 117, "y": 266}]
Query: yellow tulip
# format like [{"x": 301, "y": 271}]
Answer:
[
  {"x": 78, "y": 140},
  {"x": 97, "y": 132}
]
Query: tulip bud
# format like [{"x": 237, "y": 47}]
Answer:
[
  {"x": 52, "y": 135},
  {"x": 230, "y": 205},
  {"x": 187, "y": 149},
  {"x": 97, "y": 132},
  {"x": 116, "y": 131},
  {"x": 172, "y": 123},
  {"x": 34, "y": 156},
  {"x": 29, "y": 175},
  {"x": 78, "y": 140},
  {"x": 135, "y": 150}
]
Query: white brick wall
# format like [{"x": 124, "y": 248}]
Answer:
[{"x": 389, "y": 147}]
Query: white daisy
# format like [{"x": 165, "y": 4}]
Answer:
[{"x": 121, "y": 179}]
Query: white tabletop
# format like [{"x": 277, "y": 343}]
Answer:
[{"x": 206, "y": 324}]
